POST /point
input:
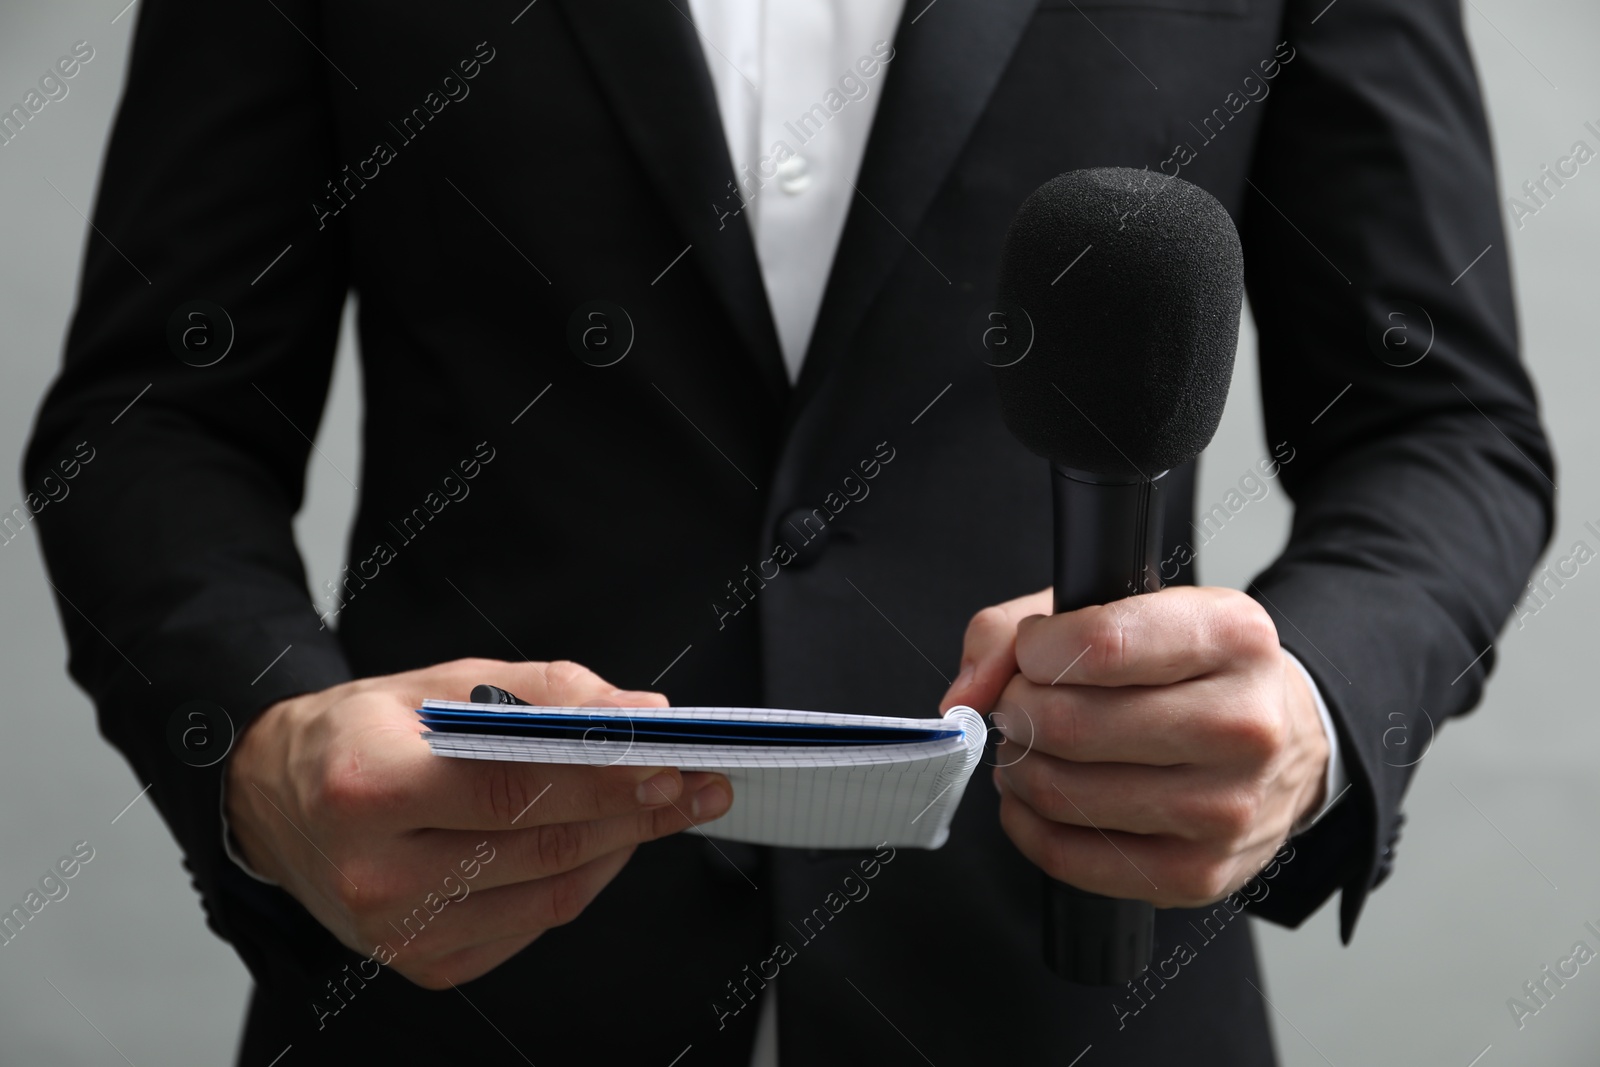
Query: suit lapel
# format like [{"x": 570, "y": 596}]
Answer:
[
  {"x": 650, "y": 65},
  {"x": 948, "y": 58}
]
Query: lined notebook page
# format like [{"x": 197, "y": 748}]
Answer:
[{"x": 813, "y": 796}]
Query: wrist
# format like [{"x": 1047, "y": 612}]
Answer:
[
  {"x": 1315, "y": 750},
  {"x": 241, "y": 797}
]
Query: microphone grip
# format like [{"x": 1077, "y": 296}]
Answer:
[{"x": 1107, "y": 547}]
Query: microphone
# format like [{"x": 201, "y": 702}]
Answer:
[{"x": 1125, "y": 287}]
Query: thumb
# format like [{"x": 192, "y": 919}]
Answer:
[
  {"x": 989, "y": 652},
  {"x": 564, "y": 683},
  {"x": 561, "y": 683}
]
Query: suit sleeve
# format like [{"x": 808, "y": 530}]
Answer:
[
  {"x": 1422, "y": 480},
  {"x": 172, "y": 557}
]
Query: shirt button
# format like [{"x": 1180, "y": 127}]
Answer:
[
  {"x": 806, "y": 531},
  {"x": 794, "y": 175}
]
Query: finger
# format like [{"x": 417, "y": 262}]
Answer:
[
  {"x": 465, "y": 939},
  {"x": 1207, "y": 721},
  {"x": 542, "y": 851},
  {"x": 1163, "y": 870},
  {"x": 1192, "y": 803},
  {"x": 1151, "y": 639},
  {"x": 988, "y": 652},
  {"x": 568, "y": 684},
  {"x": 383, "y": 774}
]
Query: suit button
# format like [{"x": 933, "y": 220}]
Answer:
[
  {"x": 1386, "y": 861},
  {"x": 806, "y": 531}
]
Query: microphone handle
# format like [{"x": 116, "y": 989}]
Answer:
[{"x": 1107, "y": 547}]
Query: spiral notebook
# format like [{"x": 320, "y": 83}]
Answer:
[{"x": 801, "y": 779}]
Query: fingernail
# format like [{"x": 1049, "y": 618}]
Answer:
[
  {"x": 659, "y": 789},
  {"x": 964, "y": 679},
  {"x": 710, "y": 802}
]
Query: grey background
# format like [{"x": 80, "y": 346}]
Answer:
[{"x": 1499, "y": 866}]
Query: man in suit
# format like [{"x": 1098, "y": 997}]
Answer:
[{"x": 632, "y": 401}]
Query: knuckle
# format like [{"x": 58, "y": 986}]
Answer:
[
  {"x": 1015, "y": 779},
  {"x": 1258, "y": 733},
  {"x": 503, "y": 792},
  {"x": 351, "y": 897},
  {"x": 661, "y": 822},
  {"x": 988, "y": 621},
  {"x": 362, "y": 686},
  {"x": 1063, "y": 859},
  {"x": 567, "y": 899},
  {"x": 1013, "y": 821},
  {"x": 1018, "y": 731},
  {"x": 363, "y": 889},
  {"x": 1107, "y": 639},
  {"x": 1034, "y": 788},
  {"x": 1249, "y": 631},
  {"x": 560, "y": 845},
  {"x": 563, "y": 674},
  {"x": 1065, "y": 731},
  {"x": 457, "y": 672},
  {"x": 1016, "y": 690},
  {"x": 1053, "y": 853},
  {"x": 1199, "y": 882},
  {"x": 340, "y": 792},
  {"x": 1230, "y": 816},
  {"x": 612, "y": 791},
  {"x": 1214, "y": 882}
]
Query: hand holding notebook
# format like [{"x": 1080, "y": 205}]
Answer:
[{"x": 801, "y": 779}]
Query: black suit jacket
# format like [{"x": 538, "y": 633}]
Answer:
[{"x": 615, "y": 521}]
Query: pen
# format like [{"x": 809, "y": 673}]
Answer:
[{"x": 493, "y": 694}]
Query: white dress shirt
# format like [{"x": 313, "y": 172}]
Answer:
[{"x": 797, "y": 84}]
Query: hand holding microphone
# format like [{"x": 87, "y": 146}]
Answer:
[
  {"x": 1168, "y": 763},
  {"x": 1171, "y": 744}
]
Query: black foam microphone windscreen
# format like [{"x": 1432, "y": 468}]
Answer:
[{"x": 1125, "y": 288}]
